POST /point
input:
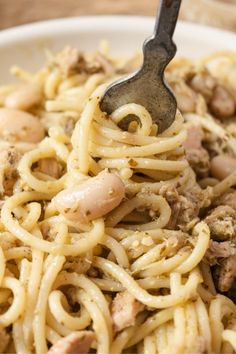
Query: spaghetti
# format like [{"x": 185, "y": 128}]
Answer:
[{"x": 152, "y": 271}]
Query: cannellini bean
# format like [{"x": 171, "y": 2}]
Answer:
[
  {"x": 24, "y": 98},
  {"x": 186, "y": 98},
  {"x": 204, "y": 84},
  {"x": 222, "y": 103},
  {"x": 21, "y": 126},
  {"x": 222, "y": 166},
  {"x": 91, "y": 199}
]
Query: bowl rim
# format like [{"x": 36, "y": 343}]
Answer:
[{"x": 70, "y": 24}]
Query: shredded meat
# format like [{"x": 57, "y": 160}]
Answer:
[
  {"x": 222, "y": 223},
  {"x": 225, "y": 273},
  {"x": 124, "y": 309},
  {"x": 70, "y": 61},
  {"x": 196, "y": 155},
  {"x": 173, "y": 199},
  {"x": 199, "y": 161},
  {"x": 227, "y": 199},
  {"x": 185, "y": 207},
  {"x": 74, "y": 343},
  {"x": 77, "y": 264},
  {"x": 50, "y": 167},
  {"x": 218, "y": 250},
  {"x": 9, "y": 160},
  {"x": 106, "y": 65},
  {"x": 4, "y": 340},
  {"x": 196, "y": 198},
  {"x": 186, "y": 211},
  {"x": 221, "y": 256},
  {"x": 190, "y": 86}
]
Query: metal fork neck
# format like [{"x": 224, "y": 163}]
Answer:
[{"x": 166, "y": 18}]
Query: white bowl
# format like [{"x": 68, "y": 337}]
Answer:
[{"x": 25, "y": 45}]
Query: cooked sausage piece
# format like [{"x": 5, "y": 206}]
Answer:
[
  {"x": 24, "y": 98},
  {"x": 222, "y": 166},
  {"x": 92, "y": 199},
  {"x": 20, "y": 126},
  {"x": 74, "y": 343},
  {"x": 68, "y": 61},
  {"x": 199, "y": 160}
]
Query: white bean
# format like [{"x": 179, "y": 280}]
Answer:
[
  {"x": 91, "y": 199},
  {"x": 203, "y": 83},
  {"x": 222, "y": 103},
  {"x": 186, "y": 98},
  {"x": 20, "y": 126},
  {"x": 24, "y": 98},
  {"x": 222, "y": 166}
]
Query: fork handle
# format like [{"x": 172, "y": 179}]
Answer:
[
  {"x": 159, "y": 49},
  {"x": 166, "y": 19}
]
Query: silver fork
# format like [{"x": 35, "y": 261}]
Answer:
[{"x": 147, "y": 86}]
